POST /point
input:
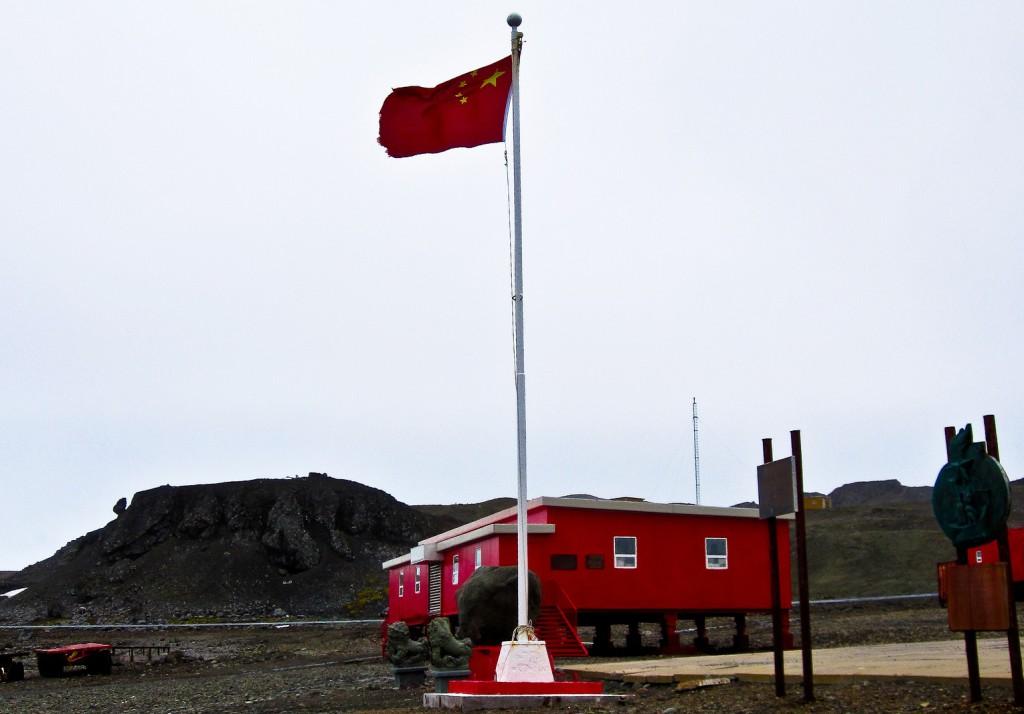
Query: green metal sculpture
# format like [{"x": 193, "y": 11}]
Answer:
[{"x": 971, "y": 498}]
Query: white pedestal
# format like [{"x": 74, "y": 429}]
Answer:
[{"x": 525, "y": 661}]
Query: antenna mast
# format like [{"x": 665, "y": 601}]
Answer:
[{"x": 696, "y": 452}]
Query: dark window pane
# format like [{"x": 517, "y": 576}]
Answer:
[
  {"x": 715, "y": 546},
  {"x": 563, "y": 562},
  {"x": 625, "y": 546},
  {"x": 595, "y": 562}
]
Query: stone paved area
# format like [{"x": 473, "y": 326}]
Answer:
[{"x": 912, "y": 660}]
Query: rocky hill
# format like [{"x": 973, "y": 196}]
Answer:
[
  {"x": 466, "y": 512},
  {"x": 875, "y": 493},
  {"x": 243, "y": 549},
  {"x": 313, "y": 547}
]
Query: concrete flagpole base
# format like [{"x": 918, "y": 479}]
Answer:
[
  {"x": 523, "y": 661},
  {"x": 523, "y": 678}
]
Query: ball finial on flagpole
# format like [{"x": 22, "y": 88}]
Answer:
[{"x": 515, "y": 20}]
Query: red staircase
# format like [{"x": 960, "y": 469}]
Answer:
[{"x": 558, "y": 633}]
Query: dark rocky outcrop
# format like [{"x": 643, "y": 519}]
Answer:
[{"x": 251, "y": 548}]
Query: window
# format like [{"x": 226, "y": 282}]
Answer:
[
  {"x": 716, "y": 552},
  {"x": 595, "y": 561},
  {"x": 563, "y": 562},
  {"x": 625, "y": 551},
  {"x": 977, "y": 556},
  {"x": 401, "y": 583},
  {"x": 416, "y": 581},
  {"x": 455, "y": 570},
  {"x": 478, "y": 558}
]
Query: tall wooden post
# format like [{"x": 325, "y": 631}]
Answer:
[
  {"x": 1013, "y": 633},
  {"x": 801, "y": 555},
  {"x": 970, "y": 637},
  {"x": 773, "y": 546}
]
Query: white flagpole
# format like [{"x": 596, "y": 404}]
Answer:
[
  {"x": 524, "y": 658},
  {"x": 514, "y": 20}
]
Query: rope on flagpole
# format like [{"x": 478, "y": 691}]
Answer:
[
  {"x": 511, "y": 254},
  {"x": 524, "y": 633}
]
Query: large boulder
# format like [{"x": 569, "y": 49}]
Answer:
[{"x": 487, "y": 604}]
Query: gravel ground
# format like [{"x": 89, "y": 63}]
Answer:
[{"x": 322, "y": 669}]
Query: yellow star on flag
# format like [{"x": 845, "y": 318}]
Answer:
[{"x": 492, "y": 80}]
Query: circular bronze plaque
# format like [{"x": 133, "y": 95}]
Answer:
[{"x": 971, "y": 500}]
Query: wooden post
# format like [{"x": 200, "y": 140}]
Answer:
[
  {"x": 801, "y": 554},
  {"x": 970, "y": 637},
  {"x": 633, "y": 639},
  {"x": 669, "y": 638},
  {"x": 741, "y": 640},
  {"x": 1013, "y": 633},
  {"x": 701, "y": 641},
  {"x": 773, "y": 546}
]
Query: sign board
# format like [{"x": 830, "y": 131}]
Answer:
[
  {"x": 776, "y": 488},
  {"x": 977, "y": 598}
]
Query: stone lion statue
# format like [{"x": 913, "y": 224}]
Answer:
[
  {"x": 403, "y": 651},
  {"x": 446, "y": 650}
]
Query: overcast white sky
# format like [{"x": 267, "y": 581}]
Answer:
[{"x": 805, "y": 215}]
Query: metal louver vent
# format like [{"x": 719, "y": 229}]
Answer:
[{"x": 434, "y": 605}]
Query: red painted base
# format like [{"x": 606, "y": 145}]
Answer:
[
  {"x": 482, "y": 662},
  {"x": 474, "y": 686}
]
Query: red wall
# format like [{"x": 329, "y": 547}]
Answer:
[
  {"x": 990, "y": 553},
  {"x": 671, "y": 572},
  {"x": 466, "y": 553},
  {"x": 411, "y": 607}
]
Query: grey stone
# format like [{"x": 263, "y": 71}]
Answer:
[{"x": 488, "y": 604}]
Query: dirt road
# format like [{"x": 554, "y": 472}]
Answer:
[{"x": 322, "y": 669}]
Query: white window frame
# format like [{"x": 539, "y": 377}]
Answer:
[
  {"x": 455, "y": 570},
  {"x": 478, "y": 558},
  {"x": 716, "y": 562},
  {"x": 416, "y": 581},
  {"x": 624, "y": 565},
  {"x": 401, "y": 583}
]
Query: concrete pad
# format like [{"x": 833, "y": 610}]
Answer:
[
  {"x": 475, "y": 702},
  {"x": 942, "y": 660},
  {"x": 666, "y": 678}
]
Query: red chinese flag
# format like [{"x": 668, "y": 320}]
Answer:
[{"x": 466, "y": 111}]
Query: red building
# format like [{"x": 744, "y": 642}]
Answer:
[{"x": 606, "y": 562}]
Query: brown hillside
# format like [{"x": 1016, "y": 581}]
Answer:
[{"x": 886, "y": 544}]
